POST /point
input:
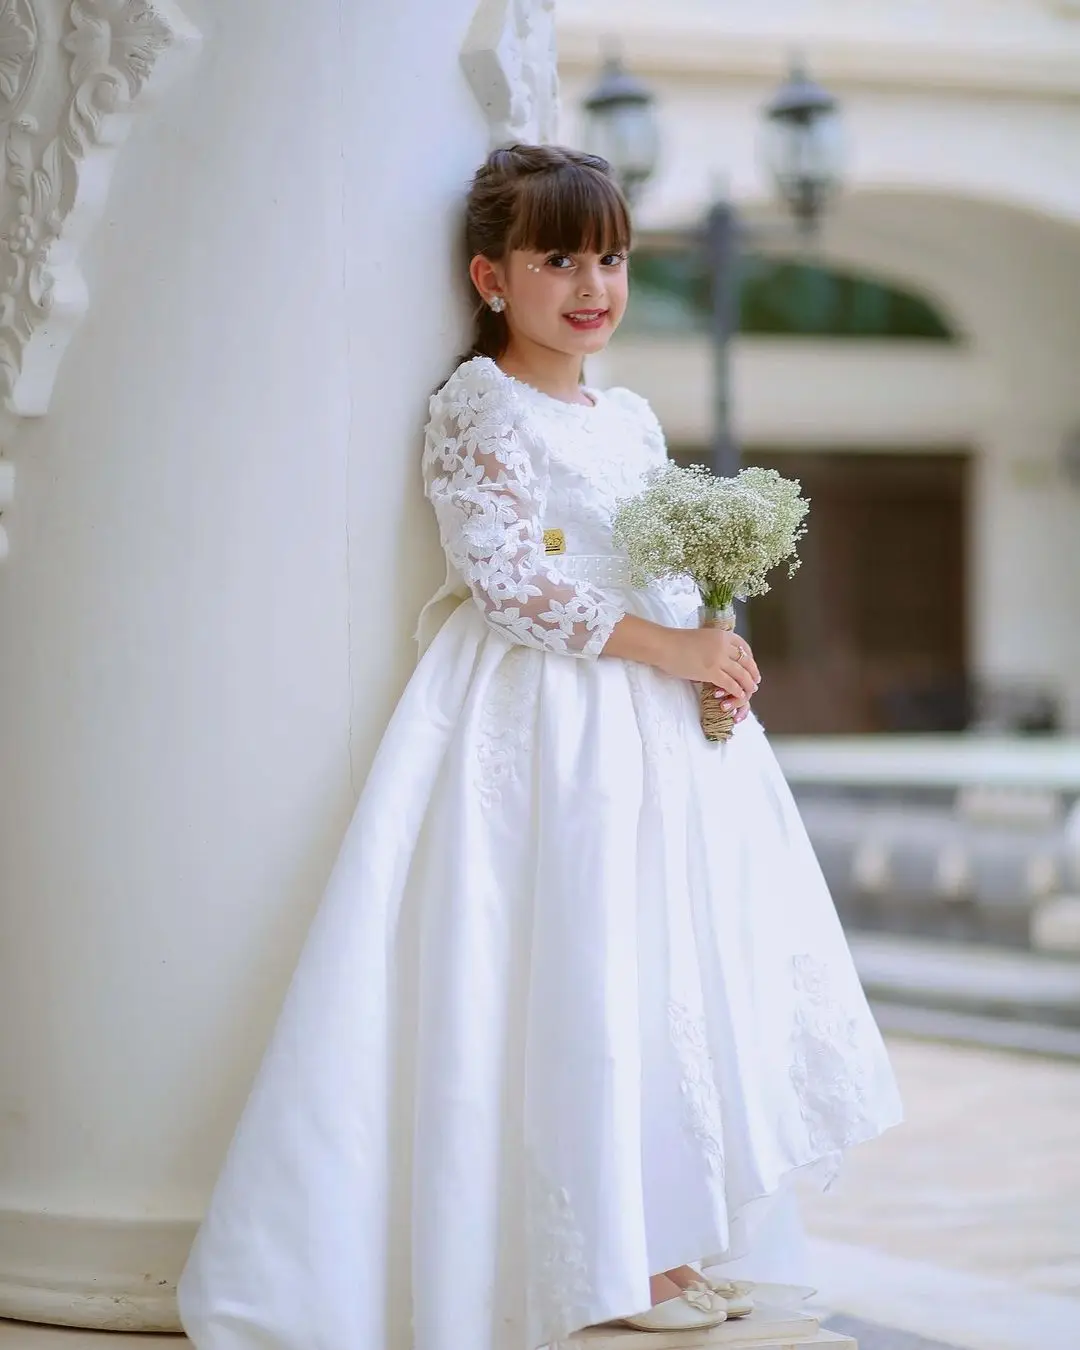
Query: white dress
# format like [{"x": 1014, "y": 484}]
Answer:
[{"x": 576, "y": 993}]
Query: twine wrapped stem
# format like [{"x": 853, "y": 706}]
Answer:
[{"x": 717, "y": 723}]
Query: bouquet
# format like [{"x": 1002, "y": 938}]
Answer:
[{"x": 725, "y": 534}]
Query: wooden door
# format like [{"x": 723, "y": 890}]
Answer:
[{"x": 869, "y": 635}]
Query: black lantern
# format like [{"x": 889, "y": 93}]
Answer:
[
  {"x": 621, "y": 126},
  {"x": 803, "y": 146}
]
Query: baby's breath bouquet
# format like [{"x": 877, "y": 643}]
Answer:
[{"x": 725, "y": 534}]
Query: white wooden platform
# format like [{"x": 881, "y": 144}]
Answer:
[{"x": 764, "y": 1329}]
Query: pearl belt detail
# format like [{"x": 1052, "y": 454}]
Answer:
[{"x": 602, "y": 569}]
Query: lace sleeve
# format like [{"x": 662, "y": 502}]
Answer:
[{"x": 489, "y": 502}]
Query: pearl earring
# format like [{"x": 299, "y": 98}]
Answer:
[{"x": 497, "y": 303}]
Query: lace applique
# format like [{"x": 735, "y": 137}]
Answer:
[
  {"x": 610, "y": 469},
  {"x": 699, "y": 1088},
  {"x": 489, "y": 502},
  {"x": 560, "y": 1295},
  {"x": 657, "y": 702},
  {"x": 506, "y": 722},
  {"x": 826, "y": 1068},
  {"x": 644, "y": 420}
]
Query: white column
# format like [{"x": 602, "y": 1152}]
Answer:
[{"x": 217, "y": 547}]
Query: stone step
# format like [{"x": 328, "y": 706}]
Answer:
[
  {"x": 994, "y": 1033},
  {"x": 31, "y": 1336},
  {"x": 965, "y": 977},
  {"x": 764, "y": 1329}
]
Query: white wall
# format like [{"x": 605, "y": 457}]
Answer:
[
  {"x": 813, "y": 394},
  {"x": 956, "y": 95},
  {"x": 218, "y": 550}
]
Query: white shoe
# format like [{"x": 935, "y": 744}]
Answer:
[
  {"x": 695, "y": 1309},
  {"x": 743, "y": 1295},
  {"x": 735, "y": 1293}
]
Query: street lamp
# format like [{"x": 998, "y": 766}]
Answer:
[
  {"x": 621, "y": 126},
  {"x": 802, "y": 148}
]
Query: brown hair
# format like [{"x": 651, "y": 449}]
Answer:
[{"x": 544, "y": 198}]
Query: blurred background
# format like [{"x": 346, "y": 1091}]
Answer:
[{"x": 858, "y": 262}]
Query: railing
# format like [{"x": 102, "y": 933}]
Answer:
[
  {"x": 1047, "y": 763},
  {"x": 972, "y": 836}
]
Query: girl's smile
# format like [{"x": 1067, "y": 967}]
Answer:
[{"x": 587, "y": 318}]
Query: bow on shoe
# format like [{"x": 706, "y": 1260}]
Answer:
[
  {"x": 700, "y": 1296},
  {"x": 731, "y": 1288}
]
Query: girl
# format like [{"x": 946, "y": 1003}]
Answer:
[{"x": 576, "y": 997}]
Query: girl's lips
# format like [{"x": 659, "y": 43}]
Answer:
[{"x": 596, "y": 320}]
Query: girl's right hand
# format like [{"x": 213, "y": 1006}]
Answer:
[{"x": 708, "y": 655}]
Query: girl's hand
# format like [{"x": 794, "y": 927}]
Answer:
[
  {"x": 703, "y": 654},
  {"x": 712, "y": 656}
]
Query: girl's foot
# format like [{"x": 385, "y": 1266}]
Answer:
[
  {"x": 663, "y": 1287},
  {"x": 683, "y": 1276},
  {"x": 735, "y": 1293},
  {"x": 694, "y": 1308}
]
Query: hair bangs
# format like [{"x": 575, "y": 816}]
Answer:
[{"x": 573, "y": 208}]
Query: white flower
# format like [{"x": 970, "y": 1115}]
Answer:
[
  {"x": 510, "y": 584},
  {"x": 523, "y": 628},
  {"x": 724, "y": 533},
  {"x": 566, "y": 616},
  {"x": 486, "y": 521}
]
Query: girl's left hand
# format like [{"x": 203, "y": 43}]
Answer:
[{"x": 741, "y": 713}]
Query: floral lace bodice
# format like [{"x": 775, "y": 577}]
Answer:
[{"x": 504, "y": 462}]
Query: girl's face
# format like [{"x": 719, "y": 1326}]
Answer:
[{"x": 566, "y": 302}]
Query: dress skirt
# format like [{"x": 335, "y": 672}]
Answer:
[{"x": 576, "y": 995}]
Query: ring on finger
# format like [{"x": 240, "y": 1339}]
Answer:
[{"x": 740, "y": 652}]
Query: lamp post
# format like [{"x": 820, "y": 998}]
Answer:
[{"x": 802, "y": 148}]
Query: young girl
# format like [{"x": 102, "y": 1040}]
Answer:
[{"x": 577, "y": 996}]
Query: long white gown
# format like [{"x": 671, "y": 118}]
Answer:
[{"x": 576, "y": 993}]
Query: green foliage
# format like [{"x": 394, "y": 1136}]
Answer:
[{"x": 670, "y": 292}]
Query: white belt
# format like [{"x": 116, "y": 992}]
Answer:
[{"x": 602, "y": 569}]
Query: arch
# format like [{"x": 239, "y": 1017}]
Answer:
[
  {"x": 784, "y": 295},
  {"x": 982, "y": 261}
]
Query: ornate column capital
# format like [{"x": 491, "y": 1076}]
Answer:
[
  {"x": 509, "y": 60},
  {"x": 72, "y": 73}
]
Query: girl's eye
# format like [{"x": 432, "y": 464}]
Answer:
[{"x": 563, "y": 260}]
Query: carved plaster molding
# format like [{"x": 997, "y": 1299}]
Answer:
[
  {"x": 509, "y": 60},
  {"x": 1025, "y": 48},
  {"x": 72, "y": 74}
]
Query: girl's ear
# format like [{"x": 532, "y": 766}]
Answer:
[{"x": 486, "y": 276}]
